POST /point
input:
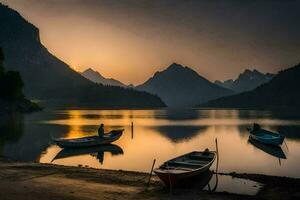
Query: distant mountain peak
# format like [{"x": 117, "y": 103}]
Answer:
[
  {"x": 176, "y": 69},
  {"x": 96, "y": 77},
  {"x": 89, "y": 70},
  {"x": 175, "y": 66},
  {"x": 249, "y": 72},
  {"x": 180, "y": 85},
  {"x": 280, "y": 92},
  {"x": 247, "y": 80}
]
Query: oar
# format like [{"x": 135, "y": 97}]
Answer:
[{"x": 151, "y": 172}]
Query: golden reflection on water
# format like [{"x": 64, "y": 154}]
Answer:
[{"x": 155, "y": 137}]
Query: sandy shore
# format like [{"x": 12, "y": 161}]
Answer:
[{"x": 42, "y": 181}]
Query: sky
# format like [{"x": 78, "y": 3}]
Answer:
[{"x": 130, "y": 40}]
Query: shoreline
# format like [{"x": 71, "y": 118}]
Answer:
[{"x": 23, "y": 180}]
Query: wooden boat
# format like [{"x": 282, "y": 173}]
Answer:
[
  {"x": 275, "y": 151},
  {"x": 265, "y": 136},
  {"x": 185, "y": 168},
  {"x": 89, "y": 141},
  {"x": 70, "y": 152},
  {"x": 199, "y": 182}
]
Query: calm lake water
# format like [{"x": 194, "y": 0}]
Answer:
[{"x": 156, "y": 134}]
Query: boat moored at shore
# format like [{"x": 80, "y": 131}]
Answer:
[{"x": 187, "y": 167}]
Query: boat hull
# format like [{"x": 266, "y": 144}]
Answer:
[
  {"x": 265, "y": 136},
  {"x": 89, "y": 141},
  {"x": 276, "y": 141},
  {"x": 273, "y": 150},
  {"x": 179, "y": 178}
]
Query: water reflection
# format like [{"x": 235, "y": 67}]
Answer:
[
  {"x": 220, "y": 183},
  {"x": 275, "y": 151},
  {"x": 292, "y": 131},
  {"x": 159, "y": 134},
  {"x": 199, "y": 182},
  {"x": 225, "y": 183},
  {"x": 178, "y": 114},
  {"x": 97, "y": 152},
  {"x": 11, "y": 128},
  {"x": 179, "y": 133}
]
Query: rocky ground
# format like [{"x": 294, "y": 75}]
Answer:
[{"x": 22, "y": 181}]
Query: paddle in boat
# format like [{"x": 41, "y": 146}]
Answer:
[
  {"x": 265, "y": 136},
  {"x": 185, "y": 168},
  {"x": 89, "y": 141}
]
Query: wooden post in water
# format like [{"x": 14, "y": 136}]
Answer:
[
  {"x": 217, "y": 149},
  {"x": 279, "y": 161},
  {"x": 131, "y": 130},
  {"x": 217, "y": 166},
  {"x": 170, "y": 181},
  {"x": 151, "y": 172}
]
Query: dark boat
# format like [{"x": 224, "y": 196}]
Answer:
[
  {"x": 70, "y": 152},
  {"x": 198, "y": 182},
  {"x": 185, "y": 168},
  {"x": 89, "y": 141},
  {"x": 265, "y": 136},
  {"x": 275, "y": 151}
]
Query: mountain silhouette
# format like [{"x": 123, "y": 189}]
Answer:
[
  {"x": 48, "y": 78},
  {"x": 248, "y": 80},
  {"x": 181, "y": 86},
  {"x": 96, "y": 77},
  {"x": 281, "y": 92}
]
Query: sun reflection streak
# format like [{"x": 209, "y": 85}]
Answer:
[{"x": 162, "y": 134}]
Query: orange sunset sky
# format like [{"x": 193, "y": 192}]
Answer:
[{"x": 131, "y": 39}]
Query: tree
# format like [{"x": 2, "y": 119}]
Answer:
[
  {"x": 11, "y": 83},
  {"x": 12, "y": 86}
]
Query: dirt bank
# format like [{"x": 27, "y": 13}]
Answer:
[{"x": 42, "y": 181}]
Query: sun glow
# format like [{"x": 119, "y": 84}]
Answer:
[{"x": 74, "y": 68}]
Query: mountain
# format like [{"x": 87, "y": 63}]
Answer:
[
  {"x": 96, "y": 77},
  {"x": 281, "y": 91},
  {"x": 181, "y": 86},
  {"x": 248, "y": 80},
  {"x": 48, "y": 78}
]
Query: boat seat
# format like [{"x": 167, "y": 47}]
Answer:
[
  {"x": 179, "y": 168},
  {"x": 188, "y": 163},
  {"x": 196, "y": 161},
  {"x": 200, "y": 157}
]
